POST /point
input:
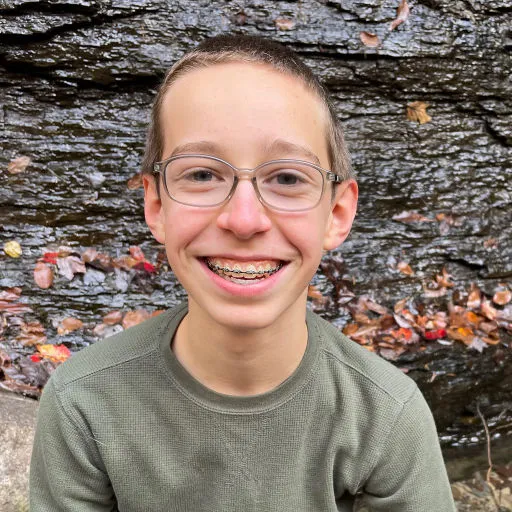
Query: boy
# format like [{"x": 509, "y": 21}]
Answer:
[{"x": 240, "y": 400}]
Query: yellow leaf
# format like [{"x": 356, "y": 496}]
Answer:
[{"x": 12, "y": 249}]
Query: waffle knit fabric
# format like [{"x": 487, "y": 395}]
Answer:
[{"x": 123, "y": 426}]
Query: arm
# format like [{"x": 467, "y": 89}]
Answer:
[
  {"x": 409, "y": 473},
  {"x": 66, "y": 472}
]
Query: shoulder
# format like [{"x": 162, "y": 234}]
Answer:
[
  {"x": 359, "y": 370},
  {"x": 115, "y": 351}
]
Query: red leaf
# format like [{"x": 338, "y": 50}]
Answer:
[
  {"x": 36, "y": 358},
  {"x": 50, "y": 257},
  {"x": 55, "y": 353},
  {"x": 435, "y": 335},
  {"x": 136, "y": 253}
]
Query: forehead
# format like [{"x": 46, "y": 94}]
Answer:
[{"x": 243, "y": 108}]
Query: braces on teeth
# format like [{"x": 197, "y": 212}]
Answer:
[{"x": 224, "y": 269}]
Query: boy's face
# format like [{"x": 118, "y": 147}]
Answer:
[{"x": 246, "y": 114}]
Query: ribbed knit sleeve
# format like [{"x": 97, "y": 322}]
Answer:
[
  {"x": 408, "y": 474},
  {"x": 66, "y": 472}
]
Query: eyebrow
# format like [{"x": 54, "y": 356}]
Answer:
[{"x": 277, "y": 147}]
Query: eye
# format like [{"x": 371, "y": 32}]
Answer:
[
  {"x": 201, "y": 175},
  {"x": 287, "y": 178}
]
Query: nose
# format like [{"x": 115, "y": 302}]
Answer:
[{"x": 244, "y": 214}]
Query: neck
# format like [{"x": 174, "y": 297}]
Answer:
[{"x": 237, "y": 361}]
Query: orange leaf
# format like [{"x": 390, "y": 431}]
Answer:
[
  {"x": 406, "y": 216},
  {"x": 417, "y": 111},
  {"x": 43, "y": 275},
  {"x": 369, "y": 39},
  {"x": 113, "y": 318},
  {"x": 403, "y": 12},
  {"x": 69, "y": 325},
  {"x": 134, "y": 317},
  {"x": 55, "y": 353},
  {"x": 464, "y": 334},
  {"x": 405, "y": 268}
]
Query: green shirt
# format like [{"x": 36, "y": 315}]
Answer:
[{"x": 123, "y": 426}]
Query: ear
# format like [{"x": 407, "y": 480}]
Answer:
[
  {"x": 153, "y": 210},
  {"x": 343, "y": 211}
]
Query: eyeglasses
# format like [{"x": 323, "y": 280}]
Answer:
[{"x": 206, "y": 181}]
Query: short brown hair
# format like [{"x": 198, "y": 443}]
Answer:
[{"x": 242, "y": 48}]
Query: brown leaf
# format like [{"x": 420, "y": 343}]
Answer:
[
  {"x": 487, "y": 310},
  {"x": 5, "y": 360},
  {"x": 405, "y": 268},
  {"x": 10, "y": 294},
  {"x": 68, "y": 325},
  {"x": 284, "y": 24},
  {"x": 12, "y": 249},
  {"x": 113, "y": 318},
  {"x": 18, "y": 164},
  {"x": 502, "y": 297},
  {"x": 135, "y": 181},
  {"x": 400, "y": 305},
  {"x": 464, "y": 334},
  {"x": 90, "y": 254},
  {"x": 407, "y": 216},
  {"x": 70, "y": 265},
  {"x": 369, "y": 39},
  {"x": 474, "y": 297},
  {"x": 315, "y": 294},
  {"x": 134, "y": 317},
  {"x": 443, "y": 279},
  {"x": 136, "y": 253},
  {"x": 32, "y": 333},
  {"x": 403, "y": 12},
  {"x": 434, "y": 292},
  {"x": 416, "y": 111},
  {"x": 125, "y": 262},
  {"x": 370, "y": 305},
  {"x": 43, "y": 275}
]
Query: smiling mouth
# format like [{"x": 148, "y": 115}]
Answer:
[{"x": 245, "y": 274}]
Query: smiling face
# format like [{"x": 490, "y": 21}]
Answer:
[{"x": 246, "y": 114}]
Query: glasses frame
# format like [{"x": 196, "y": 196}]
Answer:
[{"x": 159, "y": 168}]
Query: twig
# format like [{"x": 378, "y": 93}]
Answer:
[{"x": 489, "y": 459}]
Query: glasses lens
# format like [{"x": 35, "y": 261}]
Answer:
[
  {"x": 198, "y": 181},
  {"x": 290, "y": 185}
]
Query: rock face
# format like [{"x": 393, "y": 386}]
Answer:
[
  {"x": 17, "y": 420},
  {"x": 77, "y": 80}
]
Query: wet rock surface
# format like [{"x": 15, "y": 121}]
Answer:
[{"x": 76, "y": 83}]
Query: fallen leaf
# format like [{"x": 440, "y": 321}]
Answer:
[
  {"x": 464, "y": 334},
  {"x": 50, "y": 257},
  {"x": 405, "y": 268},
  {"x": 43, "y": 275},
  {"x": 32, "y": 333},
  {"x": 68, "y": 325},
  {"x": 113, "y": 318},
  {"x": 502, "y": 297},
  {"x": 487, "y": 310},
  {"x": 135, "y": 181},
  {"x": 474, "y": 297},
  {"x": 240, "y": 18},
  {"x": 434, "y": 292},
  {"x": 5, "y": 360},
  {"x": 136, "y": 253},
  {"x": 10, "y": 294},
  {"x": 55, "y": 353},
  {"x": 134, "y": 317},
  {"x": 407, "y": 216},
  {"x": 443, "y": 279},
  {"x": 12, "y": 249},
  {"x": 403, "y": 12},
  {"x": 416, "y": 111},
  {"x": 284, "y": 24},
  {"x": 434, "y": 335},
  {"x": 315, "y": 294},
  {"x": 145, "y": 266},
  {"x": 491, "y": 243},
  {"x": 18, "y": 164},
  {"x": 70, "y": 265},
  {"x": 125, "y": 262},
  {"x": 369, "y": 39},
  {"x": 90, "y": 254}
]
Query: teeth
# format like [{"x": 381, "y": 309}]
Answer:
[{"x": 222, "y": 268}]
